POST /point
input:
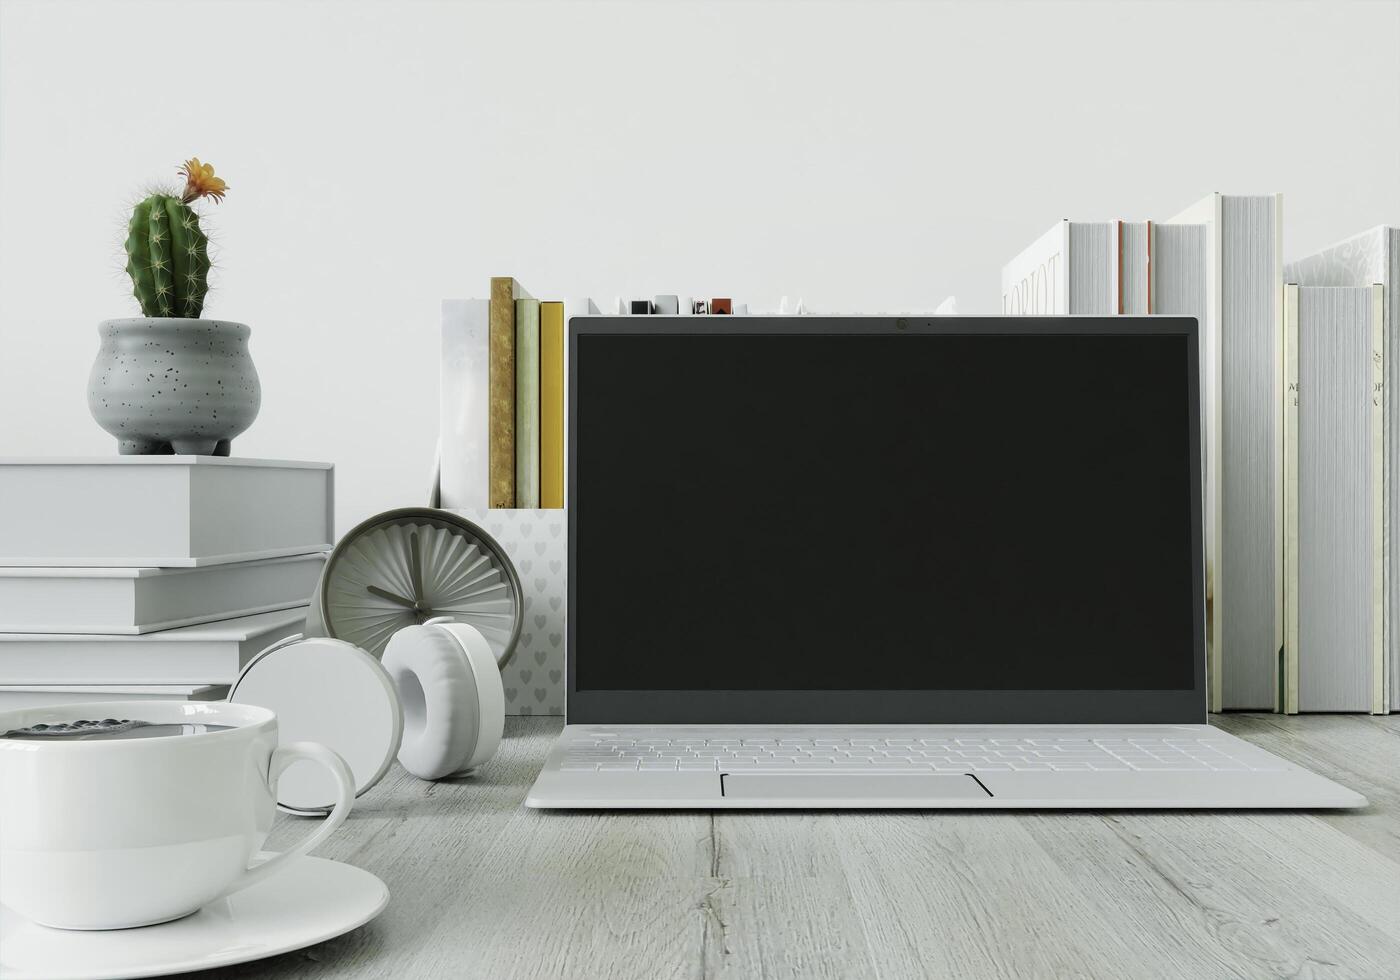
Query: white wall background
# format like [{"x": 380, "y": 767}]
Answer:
[{"x": 863, "y": 155}]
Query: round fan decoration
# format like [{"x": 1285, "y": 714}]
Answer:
[{"x": 404, "y": 567}]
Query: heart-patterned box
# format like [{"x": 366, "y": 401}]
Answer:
[{"x": 537, "y": 543}]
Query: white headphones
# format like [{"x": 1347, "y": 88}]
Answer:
[
  {"x": 436, "y": 699},
  {"x": 454, "y": 704}
]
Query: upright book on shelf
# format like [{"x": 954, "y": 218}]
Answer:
[
  {"x": 527, "y": 403},
  {"x": 552, "y": 405},
  {"x": 1334, "y": 552},
  {"x": 1134, "y": 267},
  {"x": 464, "y": 422},
  {"x": 1242, "y": 337},
  {"x": 501, "y": 380},
  {"x": 1370, "y": 257},
  {"x": 1072, "y": 268},
  {"x": 162, "y": 511}
]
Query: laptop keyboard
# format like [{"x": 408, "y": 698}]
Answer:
[{"x": 894, "y": 754}]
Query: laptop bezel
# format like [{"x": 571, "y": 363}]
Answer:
[{"x": 882, "y": 707}]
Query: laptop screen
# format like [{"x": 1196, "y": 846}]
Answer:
[{"x": 859, "y": 525}]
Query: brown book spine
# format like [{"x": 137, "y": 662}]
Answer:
[{"x": 501, "y": 383}]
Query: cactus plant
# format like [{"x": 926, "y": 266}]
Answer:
[{"x": 167, "y": 254}]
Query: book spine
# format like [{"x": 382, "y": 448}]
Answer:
[
  {"x": 501, "y": 380},
  {"x": 1151, "y": 271},
  {"x": 552, "y": 405},
  {"x": 527, "y": 403},
  {"x": 1289, "y": 693},
  {"x": 465, "y": 428},
  {"x": 1118, "y": 260},
  {"x": 1376, "y": 449}
]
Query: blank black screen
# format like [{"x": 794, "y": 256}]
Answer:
[{"x": 882, "y": 512}]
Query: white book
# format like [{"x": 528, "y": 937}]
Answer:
[
  {"x": 1242, "y": 337},
  {"x": 527, "y": 403},
  {"x": 210, "y": 653},
  {"x": 1177, "y": 286},
  {"x": 162, "y": 511},
  {"x": 73, "y": 599},
  {"x": 1373, "y": 257},
  {"x": 464, "y": 423},
  {"x": 1072, "y": 268},
  {"x": 1334, "y": 649},
  {"x": 1134, "y": 267},
  {"x": 47, "y": 695}
]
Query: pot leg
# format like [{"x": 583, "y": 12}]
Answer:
[
  {"x": 194, "y": 447},
  {"x": 223, "y": 447},
  {"x": 143, "y": 447}
]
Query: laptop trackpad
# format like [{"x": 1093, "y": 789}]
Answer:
[{"x": 851, "y": 786}]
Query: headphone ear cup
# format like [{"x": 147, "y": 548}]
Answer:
[
  {"x": 453, "y": 705},
  {"x": 490, "y": 691}
]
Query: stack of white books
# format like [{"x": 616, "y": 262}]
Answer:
[{"x": 134, "y": 577}]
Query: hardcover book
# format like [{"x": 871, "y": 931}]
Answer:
[
  {"x": 162, "y": 511},
  {"x": 552, "y": 405},
  {"x": 74, "y": 599},
  {"x": 1373, "y": 257},
  {"x": 465, "y": 396},
  {"x": 501, "y": 379},
  {"x": 45, "y": 695},
  {"x": 527, "y": 403},
  {"x": 1334, "y": 554},
  {"x": 209, "y": 653},
  {"x": 1178, "y": 286},
  {"x": 1072, "y": 268},
  {"x": 1134, "y": 267},
  {"x": 1242, "y": 341}
]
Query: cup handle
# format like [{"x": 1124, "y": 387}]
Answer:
[{"x": 283, "y": 757}]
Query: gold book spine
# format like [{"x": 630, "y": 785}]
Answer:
[
  {"x": 501, "y": 382},
  {"x": 552, "y": 405}
]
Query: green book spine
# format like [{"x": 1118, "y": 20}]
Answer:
[{"x": 527, "y": 403}]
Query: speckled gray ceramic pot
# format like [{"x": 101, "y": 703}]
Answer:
[{"x": 172, "y": 385}]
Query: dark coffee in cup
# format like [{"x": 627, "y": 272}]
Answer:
[{"x": 108, "y": 729}]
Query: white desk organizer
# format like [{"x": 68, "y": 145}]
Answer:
[{"x": 537, "y": 543}]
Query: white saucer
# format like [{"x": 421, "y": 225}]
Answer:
[{"x": 311, "y": 901}]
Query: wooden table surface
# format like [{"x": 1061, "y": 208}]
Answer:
[{"x": 482, "y": 887}]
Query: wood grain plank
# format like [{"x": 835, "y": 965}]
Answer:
[
  {"x": 1361, "y": 752},
  {"x": 1158, "y": 921},
  {"x": 784, "y": 906},
  {"x": 973, "y": 895},
  {"x": 1253, "y": 899}
]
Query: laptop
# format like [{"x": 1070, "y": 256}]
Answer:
[{"x": 892, "y": 562}]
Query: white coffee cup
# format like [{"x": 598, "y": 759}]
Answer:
[{"x": 114, "y": 833}]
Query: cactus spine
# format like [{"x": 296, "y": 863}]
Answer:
[{"x": 167, "y": 257}]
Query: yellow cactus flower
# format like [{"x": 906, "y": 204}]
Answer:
[{"x": 201, "y": 182}]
